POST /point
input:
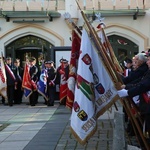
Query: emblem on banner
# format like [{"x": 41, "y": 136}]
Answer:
[
  {"x": 96, "y": 79},
  {"x": 86, "y": 87},
  {"x": 83, "y": 115},
  {"x": 86, "y": 59},
  {"x": 100, "y": 89},
  {"x": 76, "y": 106}
]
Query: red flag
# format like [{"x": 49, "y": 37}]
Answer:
[
  {"x": 27, "y": 83},
  {"x": 63, "y": 84},
  {"x": 76, "y": 40}
]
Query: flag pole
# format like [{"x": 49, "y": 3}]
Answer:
[
  {"x": 110, "y": 69},
  {"x": 99, "y": 46},
  {"x": 113, "y": 58},
  {"x": 120, "y": 81}
]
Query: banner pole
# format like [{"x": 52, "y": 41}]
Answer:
[{"x": 110, "y": 68}]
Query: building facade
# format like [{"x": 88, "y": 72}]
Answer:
[{"x": 39, "y": 27}]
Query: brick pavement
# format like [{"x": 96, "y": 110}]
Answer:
[
  {"x": 48, "y": 128},
  {"x": 102, "y": 139}
]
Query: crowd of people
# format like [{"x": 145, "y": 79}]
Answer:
[
  {"x": 15, "y": 74},
  {"x": 136, "y": 85}
]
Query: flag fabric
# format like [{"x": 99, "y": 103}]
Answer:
[
  {"x": 63, "y": 84},
  {"x": 94, "y": 91},
  {"x": 108, "y": 48},
  {"x": 42, "y": 84},
  {"x": 76, "y": 40},
  {"x": 27, "y": 83},
  {"x": 3, "y": 84}
]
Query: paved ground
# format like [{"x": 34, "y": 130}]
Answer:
[{"x": 48, "y": 128}]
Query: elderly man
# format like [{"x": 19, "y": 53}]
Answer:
[
  {"x": 141, "y": 88},
  {"x": 139, "y": 71}
]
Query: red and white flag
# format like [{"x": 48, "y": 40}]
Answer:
[
  {"x": 26, "y": 82},
  {"x": 63, "y": 84},
  {"x": 76, "y": 41},
  {"x": 3, "y": 84},
  {"x": 108, "y": 48},
  {"x": 94, "y": 91}
]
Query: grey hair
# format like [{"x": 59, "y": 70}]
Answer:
[{"x": 142, "y": 57}]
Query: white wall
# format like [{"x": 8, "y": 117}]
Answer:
[{"x": 58, "y": 31}]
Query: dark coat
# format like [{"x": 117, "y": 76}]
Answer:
[
  {"x": 138, "y": 73},
  {"x": 51, "y": 75},
  {"x": 19, "y": 70},
  {"x": 140, "y": 88},
  {"x": 34, "y": 73},
  {"x": 10, "y": 80}
]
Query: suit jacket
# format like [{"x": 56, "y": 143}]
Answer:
[
  {"x": 51, "y": 72},
  {"x": 138, "y": 89},
  {"x": 138, "y": 73},
  {"x": 19, "y": 74},
  {"x": 10, "y": 80},
  {"x": 34, "y": 73}
]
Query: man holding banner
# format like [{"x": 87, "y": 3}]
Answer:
[
  {"x": 30, "y": 79},
  {"x": 33, "y": 71},
  {"x": 63, "y": 72},
  {"x": 11, "y": 80}
]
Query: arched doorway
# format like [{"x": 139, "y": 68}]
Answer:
[
  {"x": 28, "y": 46},
  {"x": 123, "y": 47}
]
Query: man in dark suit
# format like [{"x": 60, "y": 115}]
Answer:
[
  {"x": 11, "y": 80},
  {"x": 51, "y": 72},
  {"x": 141, "y": 88},
  {"x": 140, "y": 71},
  {"x": 33, "y": 98},
  {"x": 18, "y": 90}
]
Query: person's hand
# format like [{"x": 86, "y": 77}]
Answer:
[
  {"x": 61, "y": 71},
  {"x": 123, "y": 86},
  {"x": 122, "y": 93}
]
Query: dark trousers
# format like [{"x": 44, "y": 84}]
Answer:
[
  {"x": 3, "y": 100},
  {"x": 51, "y": 95},
  {"x": 10, "y": 94},
  {"x": 33, "y": 98},
  {"x": 18, "y": 94}
]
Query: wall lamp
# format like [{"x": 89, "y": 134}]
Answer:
[
  {"x": 7, "y": 18},
  {"x": 50, "y": 18},
  {"x": 136, "y": 13},
  {"x": 4, "y": 16}
]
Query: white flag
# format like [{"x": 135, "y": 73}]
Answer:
[
  {"x": 3, "y": 85},
  {"x": 94, "y": 92}
]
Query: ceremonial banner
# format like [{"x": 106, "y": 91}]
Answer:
[
  {"x": 76, "y": 40},
  {"x": 27, "y": 83},
  {"x": 42, "y": 84},
  {"x": 108, "y": 48},
  {"x": 3, "y": 84},
  {"x": 63, "y": 84},
  {"x": 94, "y": 91}
]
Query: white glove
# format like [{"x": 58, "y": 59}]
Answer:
[
  {"x": 136, "y": 99},
  {"x": 123, "y": 93}
]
